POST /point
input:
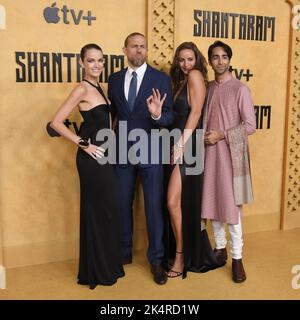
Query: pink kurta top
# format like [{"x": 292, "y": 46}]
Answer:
[{"x": 229, "y": 104}]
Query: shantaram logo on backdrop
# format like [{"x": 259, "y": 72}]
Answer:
[
  {"x": 59, "y": 67},
  {"x": 226, "y": 25},
  {"x": 51, "y": 15},
  {"x": 65, "y": 67}
]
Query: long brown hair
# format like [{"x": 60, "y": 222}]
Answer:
[{"x": 177, "y": 75}]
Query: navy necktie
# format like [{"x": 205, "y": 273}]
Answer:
[{"x": 132, "y": 90}]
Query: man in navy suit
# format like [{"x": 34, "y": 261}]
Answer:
[{"x": 141, "y": 98}]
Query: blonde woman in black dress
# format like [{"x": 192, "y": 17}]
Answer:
[{"x": 100, "y": 247}]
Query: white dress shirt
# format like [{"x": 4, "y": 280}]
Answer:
[{"x": 140, "y": 71}]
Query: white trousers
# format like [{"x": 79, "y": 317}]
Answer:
[{"x": 236, "y": 237}]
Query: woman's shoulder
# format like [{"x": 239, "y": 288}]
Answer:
[
  {"x": 80, "y": 89},
  {"x": 195, "y": 73},
  {"x": 79, "y": 92},
  {"x": 195, "y": 76}
]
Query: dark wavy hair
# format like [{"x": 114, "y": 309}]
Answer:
[
  {"x": 221, "y": 44},
  {"x": 177, "y": 75},
  {"x": 87, "y": 47}
]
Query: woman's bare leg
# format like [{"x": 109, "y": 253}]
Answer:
[{"x": 174, "y": 206}]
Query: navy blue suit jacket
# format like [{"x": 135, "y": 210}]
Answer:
[{"x": 139, "y": 117}]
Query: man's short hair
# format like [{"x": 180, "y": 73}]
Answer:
[
  {"x": 133, "y": 34},
  {"x": 221, "y": 44}
]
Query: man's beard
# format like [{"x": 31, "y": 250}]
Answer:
[{"x": 137, "y": 62}]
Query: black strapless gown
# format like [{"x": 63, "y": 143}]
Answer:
[
  {"x": 100, "y": 260},
  {"x": 198, "y": 253}
]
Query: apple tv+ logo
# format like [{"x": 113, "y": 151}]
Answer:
[{"x": 51, "y": 15}]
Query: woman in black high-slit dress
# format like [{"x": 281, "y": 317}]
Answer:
[
  {"x": 187, "y": 244},
  {"x": 100, "y": 246}
]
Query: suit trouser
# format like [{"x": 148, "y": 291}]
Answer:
[
  {"x": 152, "y": 182},
  {"x": 236, "y": 237}
]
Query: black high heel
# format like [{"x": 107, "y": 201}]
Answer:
[{"x": 177, "y": 273}]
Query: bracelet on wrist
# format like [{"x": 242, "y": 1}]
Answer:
[
  {"x": 82, "y": 143},
  {"x": 179, "y": 145}
]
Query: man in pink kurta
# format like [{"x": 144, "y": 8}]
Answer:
[{"x": 229, "y": 105}]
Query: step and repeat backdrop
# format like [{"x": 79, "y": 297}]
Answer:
[
  {"x": 258, "y": 32},
  {"x": 40, "y": 45},
  {"x": 40, "y": 49}
]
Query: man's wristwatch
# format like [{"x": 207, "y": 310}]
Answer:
[{"x": 82, "y": 143}]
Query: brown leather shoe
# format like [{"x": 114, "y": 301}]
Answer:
[
  {"x": 126, "y": 260},
  {"x": 159, "y": 275},
  {"x": 238, "y": 272},
  {"x": 221, "y": 255}
]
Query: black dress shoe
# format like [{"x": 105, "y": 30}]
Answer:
[
  {"x": 238, "y": 271},
  {"x": 159, "y": 275},
  {"x": 221, "y": 255},
  {"x": 126, "y": 260}
]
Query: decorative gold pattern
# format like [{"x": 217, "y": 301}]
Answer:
[
  {"x": 161, "y": 49},
  {"x": 161, "y": 33},
  {"x": 291, "y": 192}
]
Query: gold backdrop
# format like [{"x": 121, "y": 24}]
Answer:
[
  {"x": 39, "y": 184},
  {"x": 267, "y": 62}
]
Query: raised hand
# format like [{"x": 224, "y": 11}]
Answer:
[{"x": 155, "y": 103}]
